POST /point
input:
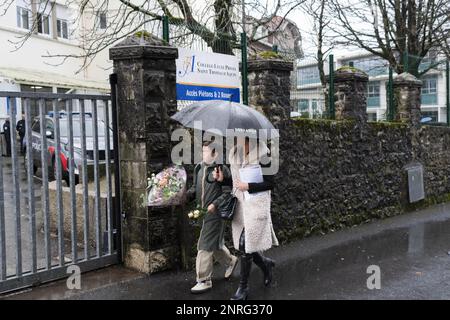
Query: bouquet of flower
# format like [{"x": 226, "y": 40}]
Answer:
[
  {"x": 167, "y": 187},
  {"x": 197, "y": 214}
]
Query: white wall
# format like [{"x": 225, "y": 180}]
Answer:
[{"x": 30, "y": 55}]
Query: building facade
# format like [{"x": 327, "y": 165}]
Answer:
[
  {"x": 308, "y": 96},
  {"x": 50, "y": 29}
]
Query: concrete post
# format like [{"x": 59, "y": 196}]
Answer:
[{"x": 146, "y": 94}]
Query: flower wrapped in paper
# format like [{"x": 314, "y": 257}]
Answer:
[
  {"x": 167, "y": 187},
  {"x": 196, "y": 215}
]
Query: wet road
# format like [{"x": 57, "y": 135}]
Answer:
[{"x": 411, "y": 251}]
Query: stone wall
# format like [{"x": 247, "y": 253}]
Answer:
[
  {"x": 338, "y": 174},
  {"x": 333, "y": 174}
]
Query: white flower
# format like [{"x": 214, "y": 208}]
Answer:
[
  {"x": 197, "y": 212},
  {"x": 190, "y": 215}
]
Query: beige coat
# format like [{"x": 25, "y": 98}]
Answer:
[{"x": 252, "y": 214}]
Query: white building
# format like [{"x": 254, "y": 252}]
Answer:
[
  {"x": 59, "y": 32},
  {"x": 309, "y": 97}
]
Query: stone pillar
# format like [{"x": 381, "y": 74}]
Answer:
[
  {"x": 350, "y": 94},
  {"x": 269, "y": 87},
  {"x": 269, "y": 91},
  {"x": 407, "y": 98},
  {"x": 146, "y": 94}
]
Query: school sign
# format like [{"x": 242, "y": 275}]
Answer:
[{"x": 207, "y": 76}]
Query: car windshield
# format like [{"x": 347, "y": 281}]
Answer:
[{"x": 64, "y": 127}]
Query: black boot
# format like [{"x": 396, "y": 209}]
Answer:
[
  {"x": 246, "y": 266},
  {"x": 266, "y": 265}
]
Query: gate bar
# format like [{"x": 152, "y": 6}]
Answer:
[
  {"x": 45, "y": 191},
  {"x": 85, "y": 182},
  {"x": 108, "y": 178},
  {"x": 58, "y": 177},
  {"x": 117, "y": 191},
  {"x": 2, "y": 222},
  {"x": 73, "y": 201},
  {"x": 30, "y": 172},
  {"x": 96, "y": 180},
  {"x": 16, "y": 196}
]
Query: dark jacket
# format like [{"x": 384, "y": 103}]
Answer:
[
  {"x": 21, "y": 127},
  {"x": 7, "y": 128},
  {"x": 206, "y": 193}
]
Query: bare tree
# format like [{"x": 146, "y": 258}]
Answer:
[
  {"x": 215, "y": 22},
  {"x": 391, "y": 28},
  {"x": 321, "y": 37}
]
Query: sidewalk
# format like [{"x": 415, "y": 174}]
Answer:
[{"x": 411, "y": 250}]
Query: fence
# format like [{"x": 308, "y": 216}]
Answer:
[
  {"x": 310, "y": 98},
  {"x": 64, "y": 145}
]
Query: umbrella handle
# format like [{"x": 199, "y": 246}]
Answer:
[{"x": 208, "y": 171}]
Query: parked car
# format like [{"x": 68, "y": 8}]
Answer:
[{"x": 36, "y": 144}]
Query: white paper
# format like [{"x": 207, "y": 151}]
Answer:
[{"x": 251, "y": 174}]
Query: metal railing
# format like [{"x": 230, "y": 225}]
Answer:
[{"x": 86, "y": 224}]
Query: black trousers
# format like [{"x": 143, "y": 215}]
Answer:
[
  {"x": 8, "y": 145},
  {"x": 21, "y": 143},
  {"x": 257, "y": 257}
]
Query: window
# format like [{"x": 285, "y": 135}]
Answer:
[
  {"x": 261, "y": 32},
  {"x": 23, "y": 18},
  {"x": 76, "y": 127},
  {"x": 314, "y": 106},
  {"x": 373, "y": 94},
  {"x": 61, "y": 26},
  {"x": 429, "y": 60},
  {"x": 429, "y": 86},
  {"x": 317, "y": 106},
  {"x": 374, "y": 89},
  {"x": 373, "y": 66},
  {"x": 371, "y": 116},
  {"x": 429, "y": 114},
  {"x": 49, "y": 126},
  {"x": 308, "y": 75},
  {"x": 303, "y": 105},
  {"x": 43, "y": 23},
  {"x": 429, "y": 91},
  {"x": 102, "y": 19},
  {"x": 36, "y": 126}
]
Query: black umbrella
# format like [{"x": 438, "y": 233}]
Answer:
[{"x": 222, "y": 115}]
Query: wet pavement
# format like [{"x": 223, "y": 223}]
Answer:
[{"x": 411, "y": 251}]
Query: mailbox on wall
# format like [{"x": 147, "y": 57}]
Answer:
[{"x": 415, "y": 183}]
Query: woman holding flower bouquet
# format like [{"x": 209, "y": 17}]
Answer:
[
  {"x": 209, "y": 194},
  {"x": 252, "y": 223}
]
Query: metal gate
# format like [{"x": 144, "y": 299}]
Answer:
[{"x": 59, "y": 198}]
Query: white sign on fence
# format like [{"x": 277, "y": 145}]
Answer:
[{"x": 207, "y": 76}]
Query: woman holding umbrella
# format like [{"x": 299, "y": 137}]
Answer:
[{"x": 252, "y": 223}]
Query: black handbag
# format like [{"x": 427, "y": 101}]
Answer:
[{"x": 227, "y": 207}]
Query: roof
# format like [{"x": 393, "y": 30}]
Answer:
[{"x": 29, "y": 76}]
